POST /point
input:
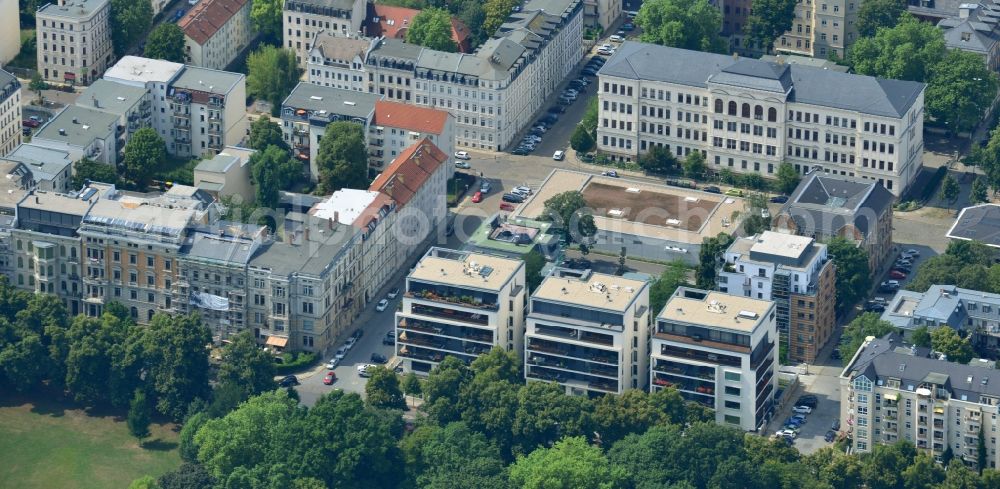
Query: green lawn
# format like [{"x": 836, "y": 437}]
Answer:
[{"x": 46, "y": 444}]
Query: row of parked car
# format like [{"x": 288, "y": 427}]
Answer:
[{"x": 803, "y": 408}]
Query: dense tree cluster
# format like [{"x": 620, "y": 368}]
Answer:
[
  {"x": 571, "y": 215},
  {"x": 482, "y": 18},
  {"x": 102, "y": 361},
  {"x": 481, "y": 427},
  {"x": 965, "y": 264},
  {"x": 431, "y": 28},
  {"x": 272, "y": 73},
  {"x": 342, "y": 157},
  {"x": 854, "y": 278},
  {"x": 960, "y": 87},
  {"x": 685, "y": 24}
]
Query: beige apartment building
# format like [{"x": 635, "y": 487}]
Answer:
[
  {"x": 303, "y": 20},
  {"x": 10, "y": 112},
  {"x": 821, "y": 29},
  {"x": 74, "y": 40},
  {"x": 10, "y": 30},
  {"x": 216, "y": 32},
  {"x": 588, "y": 332},
  {"x": 460, "y": 304}
]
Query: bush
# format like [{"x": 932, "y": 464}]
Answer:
[{"x": 294, "y": 361}]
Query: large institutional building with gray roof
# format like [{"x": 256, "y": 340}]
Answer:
[
  {"x": 890, "y": 392},
  {"x": 749, "y": 115}
]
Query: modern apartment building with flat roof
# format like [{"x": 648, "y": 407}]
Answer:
[
  {"x": 719, "y": 350},
  {"x": 797, "y": 274},
  {"x": 588, "y": 332},
  {"x": 460, "y": 304}
]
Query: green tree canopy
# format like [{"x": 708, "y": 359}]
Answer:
[
  {"x": 675, "y": 275},
  {"x": 382, "y": 389},
  {"x": 187, "y": 476},
  {"x": 949, "y": 190},
  {"x": 453, "y": 457},
  {"x": 947, "y": 341},
  {"x": 686, "y": 24},
  {"x": 863, "y": 326},
  {"x": 708, "y": 259},
  {"x": 496, "y": 13},
  {"x": 533, "y": 264},
  {"x": 788, "y": 178},
  {"x": 658, "y": 160},
  {"x": 768, "y": 20},
  {"x": 130, "y": 19},
  {"x": 138, "y": 415},
  {"x": 978, "y": 194},
  {"x": 960, "y": 90},
  {"x": 272, "y": 73},
  {"x": 176, "y": 361},
  {"x": 569, "y": 213},
  {"x": 442, "y": 388},
  {"x": 907, "y": 51},
  {"x": 694, "y": 165},
  {"x": 246, "y": 365},
  {"x": 265, "y": 132},
  {"x": 273, "y": 170},
  {"x": 94, "y": 171},
  {"x": 431, "y": 28},
  {"x": 853, "y": 275},
  {"x": 266, "y": 18},
  {"x": 166, "y": 42},
  {"x": 145, "y": 152},
  {"x": 342, "y": 157},
  {"x": 571, "y": 463},
  {"x": 921, "y": 337},
  {"x": 581, "y": 140},
  {"x": 876, "y": 14}
]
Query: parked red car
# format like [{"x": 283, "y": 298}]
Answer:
[
  {"x": 477, "y": 197},
  {"x": 896, "y": 274},
  {"x": 29, "y": 123},
  {"x": 330, "y": 378},
  {"x": 506, "y": 206}
]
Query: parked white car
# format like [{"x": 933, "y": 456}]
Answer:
[
  {"x": 363, "y": 369},
  {"x": 617, "y": 38},
  {"x": 786, "y": 433},
  {"x": 462, "y": 155},
  {"x": 802, "y": 410},
  {"x": 382, "y": 304},
  {"x": 341, "y": 352}
]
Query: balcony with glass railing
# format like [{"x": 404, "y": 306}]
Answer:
[
  {"x": 447, "y": 330},
  {"x": 575, "y": 334},
  {"x": 683, "y": 369},
  {"x": 581, "y": 380},
  {"x": 450, "y": 314},
  {"x": 571, "y": 365},
  {"x": 577, "y": 352}
]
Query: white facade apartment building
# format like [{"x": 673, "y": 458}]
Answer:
[
  {"x": 10, "y": 112},
  {"x": 303, "y": 20},
  {"x": 496, "y": 92},
  {"x": 216, "y": 32},
  {"x": 74, "y": 40},
  {"x": 339, "y": 62},
  {"x": 890, "y": 392},
  {"x": 197, "y": 111},
  {"x": 588, "y": 332},
  {"x": 207, "y": 109},
  {"x": 749, "y": 115},
  {"x": 460, "y": 304},
  {"x": 374, "y": 214},
  {"x": 718, "y": 350}
]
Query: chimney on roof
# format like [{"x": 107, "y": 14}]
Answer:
[
  {"x": 336, "y": 217},
  {"x": 736, "y": 56},
  {"x": 96, "y": 103}
]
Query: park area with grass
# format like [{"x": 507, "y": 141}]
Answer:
[{"x": 49, "y": 444}]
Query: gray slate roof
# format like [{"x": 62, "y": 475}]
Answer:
[
  {"x": 880, "y": 359},
  {"x": 807, "y": 85},
  {"x": 823, "y": 204},
  {"x": 44, "y": 163},
  {"x": 206, "y": 80},
  {"x": 112, "y": 97},
  {"x": 979, "y": 223},
  {"x": 397, "y": 49},
  {"x": 312, "y": 97},
  {"x": 90, "y": 124}
]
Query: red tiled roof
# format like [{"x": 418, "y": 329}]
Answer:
[
  {"x": 371, "y": 213},
  {"x": 206, "y": 18},
  {"x": 394, "y": 21},
  {"x": 408, "y": 172},
  {"x": 404, "y": 116}
]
